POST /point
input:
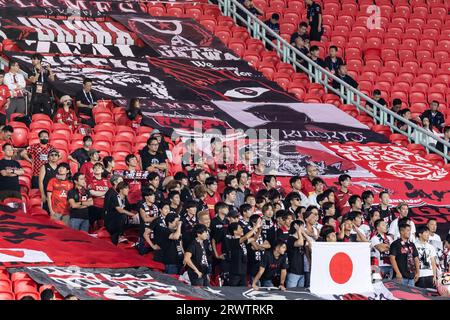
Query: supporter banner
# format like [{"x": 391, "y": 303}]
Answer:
[
  {"x": 216, "y": 80},
  {"x": 193, "y": 53},
  {"x": 117, "y": 51},
  {"x": 112, "y": 77},
  {"x": 299, "y": 121},
  {"x": 70, "y": 30},
  {"x": 391, "y": 161},
  {"x": 170, "y": 31},
  {"x": 92, "y": 9},
  {"x": 420, "y": 215},
  {"x": 26, "y": 240}
]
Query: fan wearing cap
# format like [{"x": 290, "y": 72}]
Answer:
[
  {"x": 65, "y": 113},
  {"x": 88, "y": 167},
  {"x": 47, "y": 172}
]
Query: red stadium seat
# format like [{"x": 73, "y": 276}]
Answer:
[
  {"x": 7, "y": 295},
  {"x": 435, "y": 159},
  {"x": 399, "y": 139},
  {"x": 35, "y": 295},
  {"x": 157, "y": 10},
  {"x": 382, "y": 129},
  {"x": 417, "y": 149}
]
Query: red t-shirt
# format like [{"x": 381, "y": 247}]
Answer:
[
  {"x": 102, "y": 184},
  {"x": 211, "y": 202},
  {"x": 307, "y": 186},
  {"x": 88, "y": 170},
  {"x": 39, "y": 156},
  {"x": 59, "y": 189},
  {"x": 256, "y": 182},
  {"x": 342, "y": 201},
  {"x": 4, "y": 95},
  {"x": 69, "y": 118}
]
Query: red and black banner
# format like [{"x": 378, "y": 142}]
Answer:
[
  {"x": 112, "y": 77},
  {"x": 26, "y": 240}
]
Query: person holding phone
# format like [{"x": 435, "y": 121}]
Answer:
[
  {"x": 40, "y": 93},
  {"x": 86, "y": 100}
]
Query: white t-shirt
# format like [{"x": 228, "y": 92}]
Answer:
[
  {"x": 393, "y": 230},
  {"x": 436, "y": 242},
  {"x": 365, "y": 230},
  {"x": 383, "y": 257},
  {"x": 426, "y": 254}
]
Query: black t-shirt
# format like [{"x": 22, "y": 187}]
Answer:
[
  {"x": 49, "y": 174},
  {"x": 351, "y": 238},
  {"x": 283, "y": 234},
  {"x": 78, "y": 196},
  {"x": 199, "y": 256},
  {"x": 386, "y": 214},
  {"x": 272, "y": 267},
  {"x": 313, "y": 12},
  {"x": 151, "y": 211},
  {"x": 9, "y": 183},
  {"x": 333, "y": 65},
  {"x": 186, "y": 229},
  {"x": 186, "y": 195},
  {"x": 86, "y": 97},
  {"x": 404, "y": 252},
  {"x": 171, "y": 249},
  {"x": 81, "y": 155},
  {"x": 238, "y": 256},
  {"x": 157, "y": 225},
  {"x": 347, "y": 79},
  {"x": 151, "y": 159},
  {"x": 42, "y": 80},
  {"x": 295, "y": 256},
  {"x": 295, "y": 35},
  {"x": 115, "y": 201},
  {"x": 219, "y": 229},
  {"x": 269, "y": 231}
]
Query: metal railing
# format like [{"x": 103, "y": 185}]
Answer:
[{"x": 317, "y": 74}]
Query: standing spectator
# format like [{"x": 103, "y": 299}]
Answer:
[
  {"x": 40, "y": 92},
  {"x": 236, "y": 245},
  {"x": 314, "y": 15},
  {"x": 296, "y": 186},
  {"x": 301, "y": 33},
  {"x": 16, "y": 84},
  {"x": 343, "y": 194},
  {"x": 274, "y": 24},
  {"x": 46, "y": 173},
  {"x": 108, "y": 166},
  {"x": 196, "y": 257},
  {"x": 342, "y": 74},
  {"x": 57, "y": 191},
  {"x": 403, "y": 211},
  {"x": 5, "y": 96},
  {"x": 98, "y": 188},
  {"x": 212, "y": 196},
  {"x": 152, "y": 159},
  {"x": 380, "y": 244},
  {"x": 6, "y": 133},
  {"x": 274, "y": 265},
  {"x": 171, "y": 244},
  {"x": 10, "y": 170},
  {"x": 405, "y": 258},
  {"x": 111, "y": 193},
  {"x": 296, "y": 255},
  {"x": 148, "y": 213},
  {"x": 80, "y": 200},
  {"x": 427, "y": 259},
  {"x": 434, "y": 239},
  {"x": 257, "y": 248},
  {"x": 117, "y": 211},
  {"x": 446, "y": 137},
  {"x": 436, "y": 117},
  {"x": 88, "y": 167},
  {"x": 367, "y": 198},
  {"x": 312, "y": 172},
  {"x": 318, "y": 185},
  {"x": 332, "y": 61},
  {"x": 241, "y": 191},
  {"x": 86, "y": 100},
  {"x": 37, "y": 155},
  {"x": 65, "y": 114},
  {"x": 385, "y": 209},
  {"x": 80, "y": 156},
  {"x": 349, "y": 232},
  {"x": 189, "y": 219}
]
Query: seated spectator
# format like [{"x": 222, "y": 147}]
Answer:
[
  {"x": 37, "y": 155},
  {"x": 5, "y": 100},
  {"x": 163, "y": 145},
  {"x": 274, "y": 263},
  {"x": 65, "y": 114},
  {"x": 427, "y": 126},
  {"x": 314, "y": 55},
  {"x": 57, "y": 191},
  {"x": 80, "y": 156},
  {"x": 10, "y": 170},
  {"x": 80, "y": 200},
  {"x": 16, "y": 83},
  {"x": 303, "y": 47},
  {"x": 47, "y": 172},
  {"x": 250, "y": 6},
  {"x": 342, "y": 74},
  {"x": 377, "y": 97},
  {"x": 86, "y": 100},
  {"x": 152, "y": 160},
  {"x": 87, "y": 169},
  {"x": 332, "y": 61},
  {"x": 197, "y": 257},
  {"x": 47, "y": 294},
  {"x": 434, "y": 116},
  {"x": 274, "y": 24},
  {"x": 108, "y": 167},
  {"x": 6, "y": 133},
  {"x": 446, "y": 137},
  {"x": 302, "y": 28},
  {"x": 406, "y": 114}
]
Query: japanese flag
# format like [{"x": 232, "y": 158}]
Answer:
[
  {"x": 340, "y": 268},
  {"x": 23, "y": 255}
]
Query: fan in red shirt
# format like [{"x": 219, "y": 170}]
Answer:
[
  {"x": 57, "y": 191},
  {"x": 5, "y": 94},
  {"x": 134, "y": 177},
  {"x": 312, "y": 172},
  {"x": 212, "y": 196},
  {"x": 88, "y": 167},
  {"x": 257, "y": 176},
  {"x": 37, "y": 155},
  {"x": 98, "y": 188},
  {"x": 66, "y": 114},
  {"x": 246, "y": 164},
  {"x": 343, "y": 194}
]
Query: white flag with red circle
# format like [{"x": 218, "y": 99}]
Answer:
[{"x": 340, "y": 268}]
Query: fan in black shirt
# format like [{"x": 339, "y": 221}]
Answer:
[
  {"x": 80, "y": 155},
  {"x": 296, "y": 255},
  {"x": 10, "y": 170},
  {"x": 273, "y": 264},
  {"x": 189, "y": 219},
  {"x": 171, "y": 244},
  {"x": 85, "y": 99},
  {"x": 404, "y": 257},
  {"x": 238, "y": 253},
  {"x": 219, "y": 226},
  {"x": 377, "y": 97},
  {"x": 148, "y": 213},
  {"x": 342, "y": 74},
  {"x": 268, "y": 226},
  {"x": 332, "y": 61},
  {"x": 257, "y": 248},
  {"x": 151, "y": 159},
  {"x": 196, "y": 257}
]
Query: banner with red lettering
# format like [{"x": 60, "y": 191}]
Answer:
[{"x": 389, "y": 161}]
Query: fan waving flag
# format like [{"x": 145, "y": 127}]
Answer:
[{"x": 340, "y": 268}]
